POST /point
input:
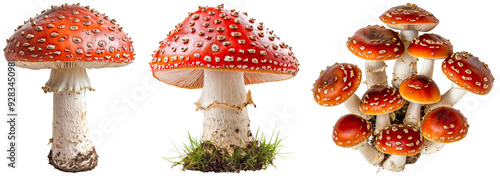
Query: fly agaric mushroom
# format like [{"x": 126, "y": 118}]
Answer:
[
  {"x": 418, "y": 89},
  {"x": 399, "y": 141},
  {"x": 376, "y": 44},
  {"x": 430, "y": 47},
  {"x": 468, "y": 74},
  {"x": 380, "y": 101},
  {"x": 410, "y": 19},
  {"x": 338, "y": 84},
  {"x": 352, "y": 131},
  {"x": 443, "y": 125},
  {"x": 68, "y": 39},
  {"x": 221, "y": 51}
]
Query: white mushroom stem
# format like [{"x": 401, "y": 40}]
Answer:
[
  {"x": 395, "y": 163},
  {"x": 70, "y": 137},
  {"x": 352, "y": 105},
  {"x": 412, "y": 117},
  {"x": 406, "y": 65},
  {"x": 431, "y": 147},
  {"x": 427, "y": 67},
  {"x": 448, "y": 99},
  {"x": 375, "y": 73},
  {"x": 382, "y": 121},
  {"x": 372, "y": 155},
  {"x": 72, "y": 148},
  {"x": 224, "y": 101}
]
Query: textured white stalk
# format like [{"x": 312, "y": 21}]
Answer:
[
  {"x": 224, "y": 101},
  {"x": 448, "y": 99},
  {"x": 372, "y": 155},
  {"x": 70, "y": 136},
  {"x": 427, "y": 68},
  {"x": 375, "y": 73},
  {"x": 406, "y": 65},
  {"x": 431, "y": 147},
  {"x": 353, "y": 106},
  {"x": 395, "y": 163},
  {"x": 72, "y": 79},
  {"x": 382, "y": 121},
  {"x": 412, "y": 117}
]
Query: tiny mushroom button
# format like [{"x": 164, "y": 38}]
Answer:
[
  {"x": 380, "y": 101},
  {"x": 443, "y": 125},
  {"x": 376, "y": 44},
  {"x": 353, "y": 131},
  {"x": 468, "y": 74},
  {"x": 338, "y": 84},
  {"x": 399, "y": 141}
]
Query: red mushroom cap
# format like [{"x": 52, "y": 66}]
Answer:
[
  {"x": 468, "y": 72},
  {"x": 217, "y": 38},
  {"x": 336, "y": 84},
  {"x": 399, "y": 139},
  {"x": 69, "y": 33},
  {"x": 381, "y": 100},
  {"x": 351, "y": 130},
  {"x": 376, "y": 43},
  {"x": 420, "y": 89},
  {"x": 430, "y": 46},
  {"x": 444, "y": 125},
  {"x": 409, "y": 17}
]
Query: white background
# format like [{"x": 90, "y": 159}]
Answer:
[{"x": 135, "y": 119}]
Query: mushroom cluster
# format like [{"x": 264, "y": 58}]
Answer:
[{"x": 409, "y": 117}]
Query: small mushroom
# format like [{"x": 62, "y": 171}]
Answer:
[
  {"x": 352, "y": 131},
  {"x": 410, "y": 19},
  {"x": 380, "y": 101},
  {"x": 468, "y": 74},
  {"x": 430, "y": 47},
  {"x": 443, "y": 125},
  {"x": 338, "y": 84},
  {"x": 418, "y": 89},
  {"x": 68, "y": 50},
  {"x": 376, "y": 44},
  {"x": 399, "y": 141}
]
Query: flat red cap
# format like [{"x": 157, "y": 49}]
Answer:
[
  {"x": 376, "y": 43},
  {"x": 399, "y": 139},
  {"x": 69, "y": 33},
  {"x": 420, "y": 89},
  {"x": 381, "y": 100},
  {"x": 468, "y": 72},
  {"x": 350, "y": 130},
  {"x": 444, "y": 125},
  {"x": 409, "y": 17},
  {"x": 336, "y": 84},
  {"x": 430, "y": 46},
  {"x": 217, "y": 38}
]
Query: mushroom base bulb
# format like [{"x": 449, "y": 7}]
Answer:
[
  {"x": 72, "y": 148},
  {"x": 224, "y": 102}
]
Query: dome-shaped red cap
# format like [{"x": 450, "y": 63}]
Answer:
[
  {"x": 420, "y": 89},
  {"x": 444, "y": 125},
  {"x": 71, "y": 34},
  {"x": 381, "y": 100},
  {"x": 350, "y": 130},
  {"x": 217, "y": 38},
  {"x": 399, "y": 139},
  {"x": 468, "y": 72},
  {"x": 376, "y": 43},
  {"x": 336, "y": 84},
  {"x": 430, "y": 46},
  {"x": 409, "y": 17}
]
